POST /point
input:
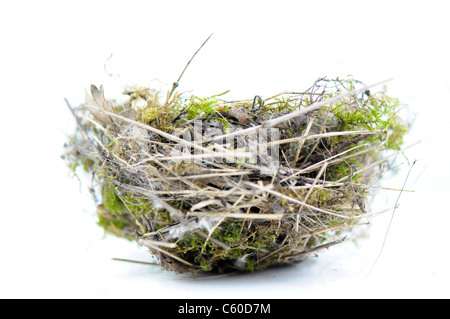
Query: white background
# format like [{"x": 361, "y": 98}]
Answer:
[{"x": 50, "y": 246}]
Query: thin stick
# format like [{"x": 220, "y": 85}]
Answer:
[
  {"x": 172, "y": 210},
  {"x": 324, "y": 167},
  {"x": 238, "y": 215},
  {"x": 291, "y": 93},
  {"x": 329, "y": 160},
  {"x": 392, "y": 216},
  {"x": 80, "y": 127},
  {"x": 302, "y": 142},
  {"x": 336, "y": 184},
  {"x": 148, "y": 242},
  {"x": 380, "y": 161},
  {"x": 136, "y": 261},
  {"x": 167, "y": 253},
  {"x": 191, "y": 158},
  {"x": 213, "y": 240},
  {"x": 317, "y": 136},
  {"x": 267, "y": 190},
  {"x": 176, "y": 83}
]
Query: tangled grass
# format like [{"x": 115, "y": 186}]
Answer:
[{"x": 215, "y": 185}]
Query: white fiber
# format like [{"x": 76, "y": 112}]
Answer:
[{"x": 204, "y": 222}]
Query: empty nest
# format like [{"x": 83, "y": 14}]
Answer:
[{"x": 216, "y": 185}]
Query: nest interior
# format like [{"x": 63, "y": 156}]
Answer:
[{"x": 208, "y": 184}]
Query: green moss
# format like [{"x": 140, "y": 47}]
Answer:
[
  {"x": 111, "y": 201},
  {"x": 242, "y": 242},
  {"x": 119, "y": 226},
  {"x": 397, "y": 132},
  {"x": 199, "y": 106},
  {"x": 224, "y": 122},
  {"x": 229, "y": 232},
  {"x": 113, "y": 215},
  {"x": 250, "y": 264},
  {"x": 281, "y": 105},
  {"x": 377, "y": 113},
  {"x": 196, "y": 106},
  {"x": 343, "y": 169}
]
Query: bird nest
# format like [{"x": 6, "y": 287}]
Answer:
[{"x": 216, "y": 185}]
